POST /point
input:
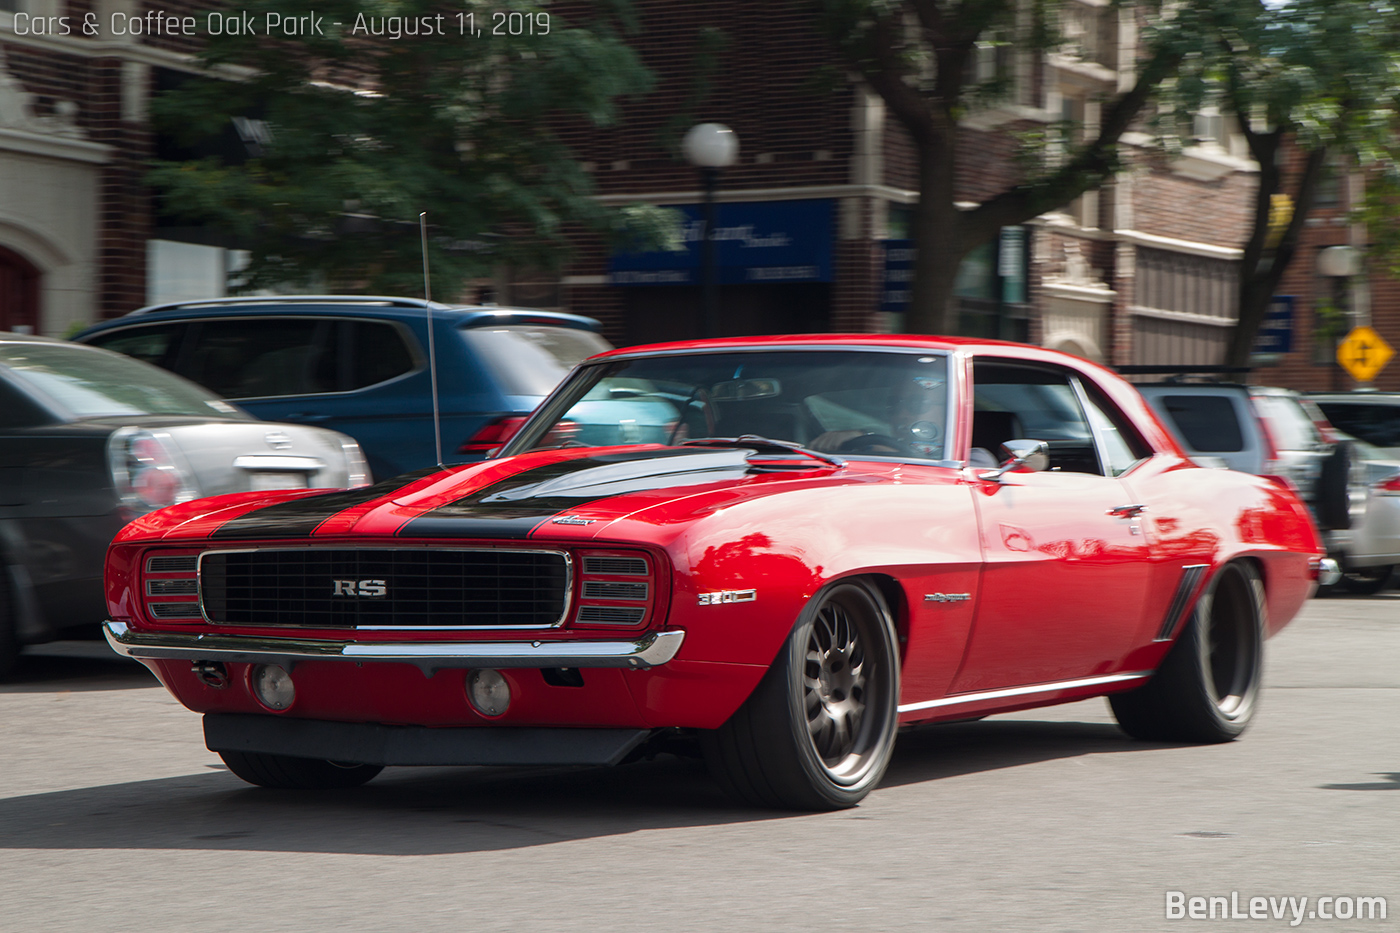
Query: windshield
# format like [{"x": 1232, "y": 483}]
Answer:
[
  {"x": 872, "y": 403},
  {"x": 531, "y": 359},
  {"x": 96, "y": 384}
]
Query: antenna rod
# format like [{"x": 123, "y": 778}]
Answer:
[{"x": 432, "y": 346}]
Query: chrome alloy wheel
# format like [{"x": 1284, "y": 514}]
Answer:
[{"x": 844, "y": 690}]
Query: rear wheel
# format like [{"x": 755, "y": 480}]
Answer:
[
  {"x": 1367, "y": 581},
  {"x": 9, "y": 638},
  {"x": 1207, "y": 687},
  {"x": 284, "y": 771},
  {"x": 818, "y": 731}
]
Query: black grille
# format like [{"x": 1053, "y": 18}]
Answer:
[
  {"x": 181, "y": 563},
  {"x": 607, "y": 589},
  {"x": 410, "y": 588},
  {"x": 619, "y": 615},
  {"x": 174, "y": 610},
  {"x": 172, "y": 587},
  {"x": 615, "y": 565}
]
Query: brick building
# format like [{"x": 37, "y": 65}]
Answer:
[{"x": 812, "y": 217}]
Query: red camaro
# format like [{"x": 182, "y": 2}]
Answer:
[{"x": 778, "y": 550}]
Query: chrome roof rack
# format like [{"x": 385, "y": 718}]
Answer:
[{"x": 361, "y": 300}]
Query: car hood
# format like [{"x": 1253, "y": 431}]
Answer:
[{"x": 564, "y": 493}]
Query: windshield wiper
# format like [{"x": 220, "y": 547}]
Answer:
[{"x": 763, "y": 445}]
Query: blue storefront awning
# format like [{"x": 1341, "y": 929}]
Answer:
[{"x": 755, "y": 242}]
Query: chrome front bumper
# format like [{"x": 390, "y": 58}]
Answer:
[{"x": 647, "y": 651}]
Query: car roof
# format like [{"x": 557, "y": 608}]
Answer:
[
  {"x": 379, "y": 306},
  {"x": 1362, "y": 398},
  {"x": 10, "y": 337}
]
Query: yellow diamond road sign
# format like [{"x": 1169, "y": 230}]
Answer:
[{"x": 1364, "y": 354}]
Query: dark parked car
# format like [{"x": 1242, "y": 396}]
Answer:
[
  {"x": 90, "y": 440},
  {"x": 1373, "y": 417},
  {"x": 360, "y": 365}
]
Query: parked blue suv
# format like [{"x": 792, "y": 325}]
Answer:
[{"x": 360, "y": 365}]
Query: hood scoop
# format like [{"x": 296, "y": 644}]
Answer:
[{"x": 601, "y": 481}]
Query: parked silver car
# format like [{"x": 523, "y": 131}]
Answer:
[
  {"x": 91, "y": 439},
  {"x": 1371, "y": 556},
  {"x": 1277, "y": 432}
]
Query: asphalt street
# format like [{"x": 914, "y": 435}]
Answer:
[{"x": 113, "y": 817}]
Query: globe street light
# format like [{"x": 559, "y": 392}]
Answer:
[{"x": 710, "y": 147}]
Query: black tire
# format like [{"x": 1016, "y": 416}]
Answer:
[
  {"x": 818, "y": 732},
  {"x": 1332, "y": 494},
  {"x": 1207, "y": 687},
  {"x": 1367, "y": 581},
  {"x": 9, "y": 637},
  {"x": 284, "y": 771}
]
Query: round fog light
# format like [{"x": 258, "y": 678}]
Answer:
[
  {"x": 273, "y": 686},
  {"x": 488, "y": 691}
]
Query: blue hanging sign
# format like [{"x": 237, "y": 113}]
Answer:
[
  {"x": 1276, "y": 333},
  {"x": 755, "y": 242}
]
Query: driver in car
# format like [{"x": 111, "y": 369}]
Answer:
[{"x": 917, "y": 412}]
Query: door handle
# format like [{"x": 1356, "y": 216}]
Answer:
[
  {"x": 308, "y": 417},
  {"x": 1127, "y": 511}
]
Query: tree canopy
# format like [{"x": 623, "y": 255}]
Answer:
[
  {"x": 400, "y": 108},
  {"x": 1315, "y": 79},
  {"x": 918, "y": 55}
]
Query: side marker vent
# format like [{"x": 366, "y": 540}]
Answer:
[{"x": 1190, "y": 576}]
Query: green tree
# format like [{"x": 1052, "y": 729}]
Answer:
[
  {"x": 916, "y": 55},
  {"x": 1318, "y": 79},
  {"x": 392, "y": 108}
]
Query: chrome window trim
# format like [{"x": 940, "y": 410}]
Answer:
[{"x": 564, "y": 615}]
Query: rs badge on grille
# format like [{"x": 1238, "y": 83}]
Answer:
[{"x": 361, "y": 588}]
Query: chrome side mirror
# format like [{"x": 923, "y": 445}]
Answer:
[{"x": 1031, "y": 454}]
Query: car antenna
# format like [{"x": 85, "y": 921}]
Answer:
[{"x": 432, "y": 347}]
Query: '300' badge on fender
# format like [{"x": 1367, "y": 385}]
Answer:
[{"x": 728, "y": 596}]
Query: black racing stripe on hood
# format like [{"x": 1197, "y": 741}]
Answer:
[
  {"x": 299, "y": 518},
  {"x": 511, "y": 508}
]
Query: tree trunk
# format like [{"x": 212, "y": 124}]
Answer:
[
  {"x": 1263, "y": 266},
  {"x": 939, "y": 250}
]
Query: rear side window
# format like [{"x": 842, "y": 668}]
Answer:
[
  {"x": 379, "y": 353},
  {"x": 1208, "y": 423},
  {"x": 1376, "y": 424},
  {"x": 261, "y": 357},
  {"x": 92, "y": 383},
  {"x": 531, "y": 359},
  {"x": 152, "y": 344}
]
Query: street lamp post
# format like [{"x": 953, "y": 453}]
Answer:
[
  {"x": 1339, "y": 263},
  {"x": 710, "y": 147}
]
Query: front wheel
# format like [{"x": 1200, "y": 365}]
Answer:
[
  {"x": 285, "y": 771},
  {"x": 818, "y": 731},
  {"x": 1207, "y": 686}
]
